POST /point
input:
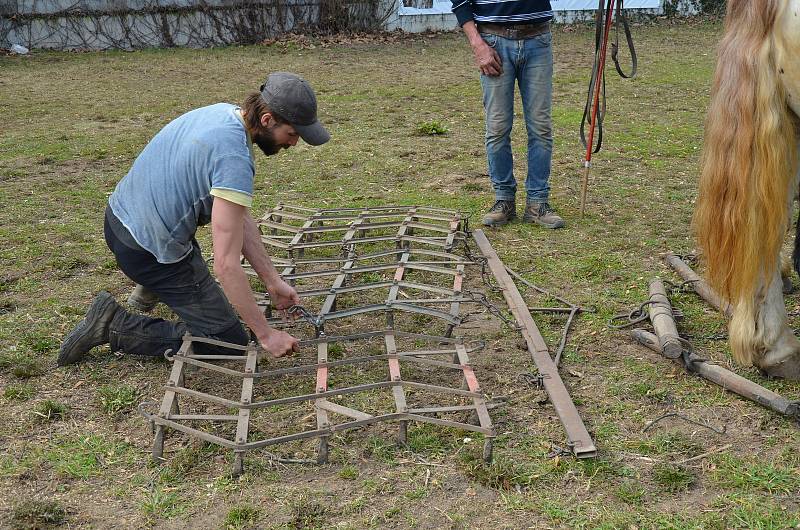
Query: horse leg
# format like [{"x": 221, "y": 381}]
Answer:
[
  {"x": 775, "y": 348},
  {"x": 796, "y": 251},
  {"x": 760, "y": 334}
]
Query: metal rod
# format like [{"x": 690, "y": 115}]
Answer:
[{"x": 580, "y": 441}]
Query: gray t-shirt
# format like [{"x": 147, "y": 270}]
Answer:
[{"x": 170, "y": 189}]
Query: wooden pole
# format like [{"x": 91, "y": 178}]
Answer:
[{"x": 663, "y": 321}]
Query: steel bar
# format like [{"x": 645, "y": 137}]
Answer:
[
  {"x": 204, "y": 417},
  {"x": 264, "y": 297},
  {"x": 413, "y": 357},
  {"x": 322, "y": 413},
  {"x": 580, "y": 442},
  {"x": 381, "y": 333},
  {"x": 340, "y": 409},
  {"x": 445, "y": 257},
  {"x": 699, "y": 285},
  {"x": 454, "y": 226},
  {"x": 537, "y": 288},
  {"x": 169, "y": 403},
  {"x": 728, "y": 380},
  {"x": 563, "y": 343},
  {"x": 276, "y": 241},
  {"x": 383, "y": 307},
  {"x": 373, "y": 268},
  {"x": 433, "y": 410},
  {"x": 472, "y": 383},
  {"x": 663, "y": 320},
  {"x": 215, "y": 342},
  {"x": 284, "y": 401},
  {"x": 243, "y": 425}
]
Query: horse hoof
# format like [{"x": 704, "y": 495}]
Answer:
[
  {"x": 787, "y": 286},
  {"x": 788, "y": 368}
]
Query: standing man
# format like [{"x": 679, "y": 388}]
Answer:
[
  {"x": 198, "y": 169},
  {"x": 512, "y": 43}
]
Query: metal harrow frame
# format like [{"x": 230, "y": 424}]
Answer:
[{"x": 312, "y": 251}]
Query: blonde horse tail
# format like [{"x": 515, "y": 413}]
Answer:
[{"x": 747, "y": 168}]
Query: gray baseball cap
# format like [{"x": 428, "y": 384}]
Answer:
[{"x": 291, "y": 96}]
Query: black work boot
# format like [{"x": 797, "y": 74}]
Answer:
[
  {"x": 542, "y": 214},
  {"x": 91, "y": 331},
  {"x": 142, "y": 299},
  {"x": 503, "y": 212}
]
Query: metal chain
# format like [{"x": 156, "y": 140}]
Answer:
[
  {"x": 639, "y": 314},
  {"x": 690, "y": 259},
  {"x": 531, "y": 379},
  {"x": 483, "y": 261},
  {"x": 309, "y": 317},
  {"x": 481, "y": 299},
  {"x": 685, "y": 287}
]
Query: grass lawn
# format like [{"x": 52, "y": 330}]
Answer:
[{"x": 73, "y": 450}]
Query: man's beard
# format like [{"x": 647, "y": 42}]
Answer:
[{"x": 265, "y": 140}]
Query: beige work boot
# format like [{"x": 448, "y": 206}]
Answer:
[
  {"x": 541, "y": 213},
  {"x": 142, "y": 299},
  {"x": 503, "y": 212}
]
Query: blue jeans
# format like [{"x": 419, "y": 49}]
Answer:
[
  {"x": 186, "y": 287},
  {"x": 528, "y": 62}
]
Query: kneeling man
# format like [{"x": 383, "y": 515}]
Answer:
[{"x": 198, "y": 169}]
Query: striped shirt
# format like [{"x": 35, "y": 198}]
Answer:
[{"x": 502, "y": 11}]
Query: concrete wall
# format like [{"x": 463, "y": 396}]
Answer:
[{"x": 131, "y": 24}]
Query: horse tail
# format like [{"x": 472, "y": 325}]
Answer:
[{"x": 747, "y": 166}]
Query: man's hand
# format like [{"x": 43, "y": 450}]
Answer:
[
  {"x": 282, "y": 296},
  {"x": 487, "y": 59},
  {"x": 279, "y": 343}
]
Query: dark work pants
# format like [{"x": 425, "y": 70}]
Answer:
[{"x": 186, "y": 287}]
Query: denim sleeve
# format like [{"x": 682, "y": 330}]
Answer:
[{"x": 462, "y": 9}]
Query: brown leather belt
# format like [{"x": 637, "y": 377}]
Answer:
[{"x": 515, "y": 31}]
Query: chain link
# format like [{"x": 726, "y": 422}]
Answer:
[
  {"x": 481, "y": 299},
  {"x": 639, "y": 314}
]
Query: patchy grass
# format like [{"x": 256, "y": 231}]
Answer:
[
  {"x": 159, "y": 503},
  {"x": 82, "y": 457},
  {"x": 673, "y": 478},
  {"x": 49, "y": 410},
  {"x": 117, "y": 398},
  {"x": 20, "y": 365},
  {"x": 432, "y": 128},
  {"x": 349, "y": 473},
  {"x": 240, "y": 517},
  {"x": 306, "y": 512},
  {"x": 747, "y": 476},
  {"x": 38, "y": 514},
  {"x": 53, "y": 260},
  {"x": 19, "y": 391}
]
